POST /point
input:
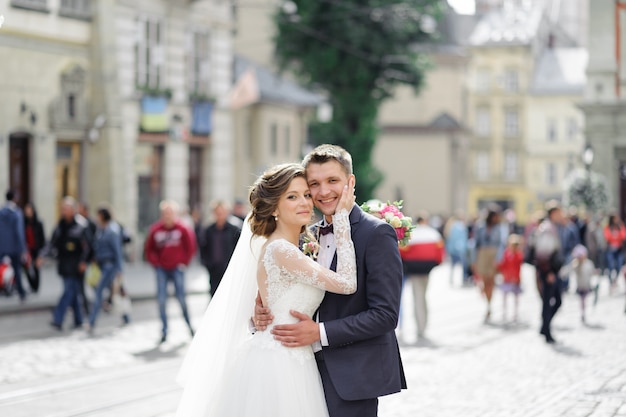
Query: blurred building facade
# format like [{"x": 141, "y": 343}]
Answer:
[
  {"x": 525, "y": 80},
  {"x": 271, "y": 129},
  {"x": 572, "y": 15},
  {"x": 113, "y": 100},
  {"x": 424, "y": 138},
  {"x": 604, "y": 102}
]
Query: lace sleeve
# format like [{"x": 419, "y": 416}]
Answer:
[
  {"x": 300, "y": 267},
  {"x": 346, "y": 258}
]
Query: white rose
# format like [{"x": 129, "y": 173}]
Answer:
[{"x": 395, "y": 222}]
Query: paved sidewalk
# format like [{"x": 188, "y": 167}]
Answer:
[
  {"x": 463, "y": 368},
  {"x": 139, "y": 279},
  {"x": 505, "y": 368}
]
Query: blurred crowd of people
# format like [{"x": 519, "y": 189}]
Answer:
[
  {"x": 563, "y": 246},
  {"x": 567, "y": 249},
  {"x": 89, "y": 254}
]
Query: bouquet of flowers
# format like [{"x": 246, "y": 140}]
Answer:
[
  {"x": 310, "y": 247},
  {"x": 392, "y": 214}
]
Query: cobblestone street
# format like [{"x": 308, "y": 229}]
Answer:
[{"x": 464, "y": 368}]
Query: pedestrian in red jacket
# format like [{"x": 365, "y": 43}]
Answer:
[
  {"x": 423, "y": 253},
  {"x": 510, "y": 267},
  {"x": 169, "y": 248}
]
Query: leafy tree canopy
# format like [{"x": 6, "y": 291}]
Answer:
[
  {"x": 357, "y": 51},
  {"x": 586, "y": 189}
]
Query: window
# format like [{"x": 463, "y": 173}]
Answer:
[
  {"x": 572, "y": 129},
  {"x": 552, "y": 130},
  {"x": 482, "y": 81},
  {"x": 274, "y": 139},
  {"x": 287, "y": 140},
  {"x": 149, "y": 54},
  {"x": 551, "y": 174},
  {"x": 511, "y": 123},
  {"x": 195, "y": 176},
  {"x": 40, "y": 5},
  {"x": 483, "y": 122},
  {"x": 80, "y": 9},
  {"x": 199, "y": 64},
  {"x": 69, "y": 110},
  {"x": 482, "y": 165},
  {"x": 510, "y": 166},
  {"x": 71, "y": 106},
  {"x": 511, "y": 81}
]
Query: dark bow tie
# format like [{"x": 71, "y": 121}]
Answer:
[{"x": 324, "y": 230}]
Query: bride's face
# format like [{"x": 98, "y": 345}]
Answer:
[{"x": 295, "y": 206}]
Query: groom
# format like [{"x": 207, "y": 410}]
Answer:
[{"x": 356, "y": 348}]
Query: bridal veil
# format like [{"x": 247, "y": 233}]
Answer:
[{"x": 224, "y": 327}]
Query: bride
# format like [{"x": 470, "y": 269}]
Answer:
[{"x": 230, "y": 372}]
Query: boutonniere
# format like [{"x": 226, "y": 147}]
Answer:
[{"x": 310, "y": 247}]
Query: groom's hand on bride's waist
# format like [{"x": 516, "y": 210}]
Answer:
[
  {"x": 303, "y": 333},
  {"x": 262, "y": 315}
]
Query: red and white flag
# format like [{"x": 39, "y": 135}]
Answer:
[{"x": 245, "y": 91}]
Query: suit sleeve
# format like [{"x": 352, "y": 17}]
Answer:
[
  {"x": 119, "y": 255},
  {"x": 383, "y": 288},
  {"x": 51, "y": 248},
  {"x": 87, "y": 239},
  {"x": 21, "y": 234},
  {"x": 41, "y": 236}
]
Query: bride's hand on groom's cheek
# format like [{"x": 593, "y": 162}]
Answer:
[
  {"x": 348, "y": 198},
  {"x": 303, "y": 333}
]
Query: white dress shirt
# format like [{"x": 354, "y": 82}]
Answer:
[{"x": 324, "y": 258}]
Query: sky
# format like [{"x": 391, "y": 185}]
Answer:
[{"x": 462, "y": 6}]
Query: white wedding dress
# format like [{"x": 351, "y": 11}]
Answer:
[{"x": 264, "y": 378}]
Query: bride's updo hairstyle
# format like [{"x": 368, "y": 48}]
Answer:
[{"x": 265, "y": 194}]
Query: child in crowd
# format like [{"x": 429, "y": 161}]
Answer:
[
  {"x": 510, "y": 268},
  {"x": 583, "y": 270}
]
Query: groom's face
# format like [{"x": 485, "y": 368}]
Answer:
[{"x": 326, "y": 182}]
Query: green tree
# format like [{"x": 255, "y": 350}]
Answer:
[
  {"x": 586, "y": 189},
  {"x": 356, "y": 51}
]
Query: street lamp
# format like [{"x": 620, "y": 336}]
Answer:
[{"x": 588, "y": 157}]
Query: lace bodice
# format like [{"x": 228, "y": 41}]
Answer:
[{"x": 296, "y": 282}]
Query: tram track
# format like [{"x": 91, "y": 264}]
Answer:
[{"x": 102, "y": 394}]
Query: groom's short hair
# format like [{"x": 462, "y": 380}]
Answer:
[{"x": 325, "y": 153}]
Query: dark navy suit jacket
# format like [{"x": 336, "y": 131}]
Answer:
[{"x": 363, "y": 357}]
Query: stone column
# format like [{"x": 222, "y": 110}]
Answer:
[
  {"x": 176, "y": 172},
  {"x": 110, "y": 158},
  {"x": 222, "y": 152},
  {"x": 4, "y": 161},
  {"x": 44, "y": 175}
]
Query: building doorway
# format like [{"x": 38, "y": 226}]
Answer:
[
  {"x": 19, "y": 167},
  {"x": 150, "y": 170}
]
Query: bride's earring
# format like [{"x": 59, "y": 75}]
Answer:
[{"x": 276, "y": 218}]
